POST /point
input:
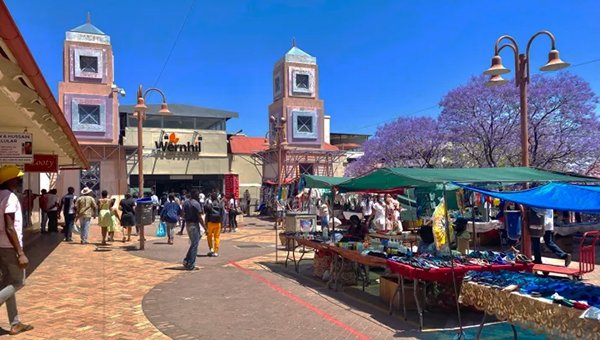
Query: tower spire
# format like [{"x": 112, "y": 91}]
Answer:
[
  {"x": 294, "y": 42},
  {"x": 89, "y": 19}
]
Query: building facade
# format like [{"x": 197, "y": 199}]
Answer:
[
  {"x": 29, "y": 107},
  {"x": 89, "y": 99},
  {"x": 306, "y": 148},
  {"x": 186, "y": 150}
]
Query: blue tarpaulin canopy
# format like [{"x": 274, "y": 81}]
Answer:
[{"x": 557, "y": 196}]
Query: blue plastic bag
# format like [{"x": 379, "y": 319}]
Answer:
[{"x": 161, "y": 230}]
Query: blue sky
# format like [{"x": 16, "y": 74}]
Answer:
[{"x": 377, "y": 59}]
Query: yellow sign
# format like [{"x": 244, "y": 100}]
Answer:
[{"x": 439, "y": 227}]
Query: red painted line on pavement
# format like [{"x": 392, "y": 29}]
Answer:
[{"x": 303, "y": 303}]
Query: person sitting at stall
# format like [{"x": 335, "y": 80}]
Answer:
[
  {"x": 427, "y": 242},
  {"x": 356, "y": 230},
  {"x": 462, "y": 235}
]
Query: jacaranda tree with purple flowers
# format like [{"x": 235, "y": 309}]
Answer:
[
  {"x": 480, "y": 127},
  {"x": 484, "y": 123},
  {"x": 404, "y": 142}
]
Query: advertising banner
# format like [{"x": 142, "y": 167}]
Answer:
[
  {"x": 16, "y": 148},
  {"x": 232, "y": 185},
  {"x": 43, "y": 163}
]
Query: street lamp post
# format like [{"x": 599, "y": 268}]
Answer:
[
  {"x": 140, "y": 112},
  {"x": 522, "y": 79},
  {"x": 279, "y": 140}
]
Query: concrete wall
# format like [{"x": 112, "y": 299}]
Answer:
[{"x": 250, "y": 176}]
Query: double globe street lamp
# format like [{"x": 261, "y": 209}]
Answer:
[
  {"x": 140, "y": 113},
  {"x": 522, "y": 78}
]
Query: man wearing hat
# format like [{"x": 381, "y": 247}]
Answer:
[
  {"x": 13, "y": 261},
  {"x": 85, "y": 209}
]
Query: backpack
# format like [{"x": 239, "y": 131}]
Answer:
[
  {"x": 213, "y": 212},
  {"x": 171, "y": 215}
]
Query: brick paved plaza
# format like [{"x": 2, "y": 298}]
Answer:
[{"x": 88, "y": 292}]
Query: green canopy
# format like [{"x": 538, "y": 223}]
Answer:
[
  {"x": 391, "y": 178},
  {"x": 323, "y": 182}
]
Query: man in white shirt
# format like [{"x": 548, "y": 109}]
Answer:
[
  {"x": 12, "y": 257},
  {"x": 366, "y": 206},
  {"x": 548, "y": 220},
  {"x": 232, "y": 209},
  {"x": 68, "y": 208},
  {"x": 52, "y": 203},
  {"x": 155, "y": 205},
  {"x": 378, "y": 216}
]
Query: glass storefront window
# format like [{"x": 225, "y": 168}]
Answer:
[
  {"x": 175, "y": 122},
  {"x": 153, "y": 121}
]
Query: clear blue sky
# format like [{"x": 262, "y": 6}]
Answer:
[{"x": 377, "y": 59}]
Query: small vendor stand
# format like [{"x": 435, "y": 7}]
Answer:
[{"x": 386, "y": 179}]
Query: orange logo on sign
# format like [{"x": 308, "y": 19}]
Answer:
[{"x": 173, "y": 139}]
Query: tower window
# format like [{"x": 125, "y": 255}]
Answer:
[
  {"x": 277, "y": 85},
  {"x": 305, "y": 124},
  {"x": 89, "y": 114},
  {"x": 306, "y": 169},
  {"x": 88, "y": 64},
  {"x": 302, "y": 81}
]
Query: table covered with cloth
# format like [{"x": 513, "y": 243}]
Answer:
[
  {"x": 445, "y": 274},
  {"x": 537, "y": 314}
]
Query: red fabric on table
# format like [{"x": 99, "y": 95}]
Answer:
[{"x": 445, "y": 274}]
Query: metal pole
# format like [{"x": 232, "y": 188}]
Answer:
[
  {"x": 279, "y": 170},
  {"x": 140, "y": 117},
  {"x": 446, "y": 217},
  {"x": 522, "y": 78}
]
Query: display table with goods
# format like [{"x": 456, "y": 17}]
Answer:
[
  {"x": 356, "y": 253},
  {"x": 407, "y": 238},
  {"x": 314, "y": 241},
  {"x": 427, "y": 268},
  {"x": 484, "y": 227},
  {"x": 560, "y": 308},
  {"x": 575, "y": 228}
]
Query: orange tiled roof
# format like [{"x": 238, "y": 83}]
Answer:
[{"x": 243, "y": 145}]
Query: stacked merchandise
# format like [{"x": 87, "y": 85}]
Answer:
[{"x": 568, "y": 293}]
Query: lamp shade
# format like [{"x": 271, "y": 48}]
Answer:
[
  {"x": 164, "y": 110},
  {"x": 497, "y": 68},
  {"x": 496, "y": 81},
  {"x": 141, "y": 105},
  {"x": 554, "y": 63}
]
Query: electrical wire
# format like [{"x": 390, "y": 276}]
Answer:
[
  {"x": 435, "y": 106},
  {"x": 174, "y": 44}
]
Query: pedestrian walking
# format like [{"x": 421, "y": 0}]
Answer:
[
  {"x": 13, "y": 261},
  {"x": 184, "y": 196},
  {"x": 170, "y": 216},
  {"x": 85, "y": 210},
  {"x": 44, "y": 211},
  {"x": 68, "y": 209},
  {"x": 127, "y": 207},
  {"x": 52, "y": 203},
  {"x": 214, "y": 215},
  {"x": 247, "y": 200},
  {"x": 27, "y": 205},
  {"x": 543, "y": 220},
  {"x": 233, "y": 207},
  {"x": 193, "y": 219},
  {"x": 105, "y": 220}
]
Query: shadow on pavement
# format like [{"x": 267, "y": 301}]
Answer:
[{"x": 40, "y": 248}]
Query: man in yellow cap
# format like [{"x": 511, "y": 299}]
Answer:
[{"x": 13, "y": 261}]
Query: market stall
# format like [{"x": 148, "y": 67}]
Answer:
[
  {"x": 389, "y": 179},
  {"x": 555, "y": 307}
]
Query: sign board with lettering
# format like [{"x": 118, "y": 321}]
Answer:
[
  {"x": 16, "y": 148},
  {"x": 43, "y": 163}
]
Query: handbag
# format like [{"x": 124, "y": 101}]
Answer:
[
  {"x": 76, "y": 228},
  {"x": 161, "y": 230}
]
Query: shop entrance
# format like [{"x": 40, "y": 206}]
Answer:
[{"x": 178, "y": 183}]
